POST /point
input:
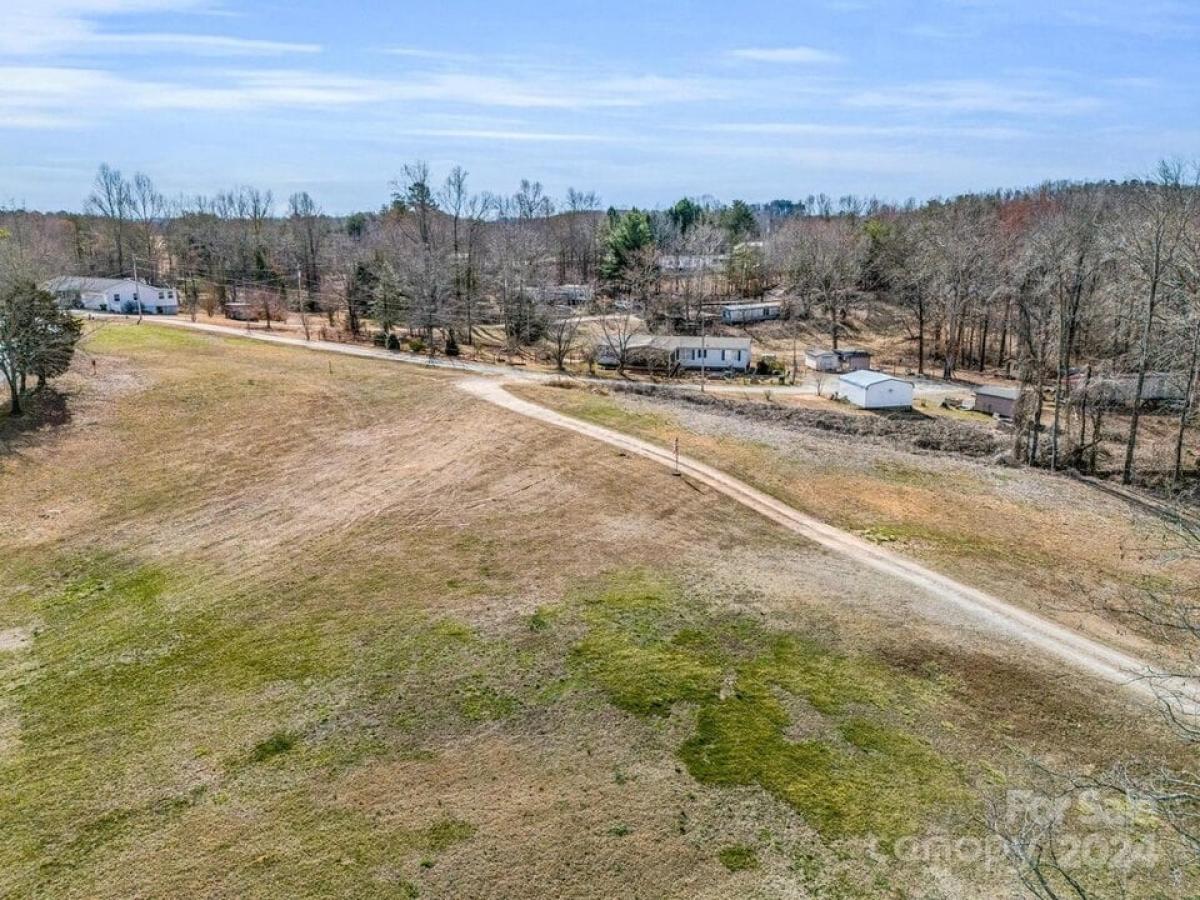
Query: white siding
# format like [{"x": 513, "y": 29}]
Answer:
[{"x": 890, "y": 394}]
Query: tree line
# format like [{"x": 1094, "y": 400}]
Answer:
[{"x": 1078, "y": 291}]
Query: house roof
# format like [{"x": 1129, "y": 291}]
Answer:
[
  {"x": 852, "y": 351},
  {"x": 87, "y": 283},
  {"x": 675, "y": 341},
  {"x": 996, "y": 390},
  {"x": 818, "y": 351},
  {"x": 866, "y": 377},
  {"x": 751, "y": 305}
]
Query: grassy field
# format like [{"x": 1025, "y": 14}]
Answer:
[
  {"x": 1062, "y": 547},
  {"x": 276, "y": 623}
]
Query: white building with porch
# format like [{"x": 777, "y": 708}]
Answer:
[{"x": 122, "y": 295}]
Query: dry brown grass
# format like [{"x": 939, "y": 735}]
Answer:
[
  {"x": 1054, "y": 544},
  {"x": 267, "y": 626}
]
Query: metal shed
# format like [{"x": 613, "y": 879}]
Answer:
[
  {"x": 876, "y": 390},
  {"x": 996, "y": 400}
]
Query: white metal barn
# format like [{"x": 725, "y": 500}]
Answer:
[{"x": 875, "y": 390}]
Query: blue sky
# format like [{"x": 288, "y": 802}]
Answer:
[{"x": 642, "y": 102}]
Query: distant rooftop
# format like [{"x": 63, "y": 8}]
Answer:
[
  {"x": 751, "y": 305},
  {"x": 675, "y": 341},
  {"x": 867, "y": 377},
  {"x": 88, "y": 283},
  {"x": 996, "y": 390}
]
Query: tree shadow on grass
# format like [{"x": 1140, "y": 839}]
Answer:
[{"x": 43, "y": 409}]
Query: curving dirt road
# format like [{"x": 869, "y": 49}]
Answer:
[
  {"x": 487, "y": 383},
  {"x": 1003, "y": 617}
]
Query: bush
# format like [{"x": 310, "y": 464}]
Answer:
[
  {"x": 393, "y": 342},
  {"x": 416, "y": 345},
  {"x": 769, "y": 366},
  {"x": 451, "y": 345}
]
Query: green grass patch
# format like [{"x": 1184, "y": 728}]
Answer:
[
  {"x": 278, "y": 743},
  {"x": 601, "y": 410},
  {"x": 652, "y": 651},
  {"x": 121, "y": 337},
  {"x": 738, "y": 858}
]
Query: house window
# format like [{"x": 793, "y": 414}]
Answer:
[
  {"x": 722, "y": 356},
  {"x": 116, "y": 298},
  {"x": 161, "y": 295}
]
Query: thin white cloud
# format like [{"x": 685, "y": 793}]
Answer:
[
  {"x": 418, "y": 53},
  {"x": 57, "y": 96},
  {"x": 786, "y": 55},
  {"x": 201, "y": 44},
  {"x": 57, "y": 28},
  {"x": 823, "y": 130},
  {"x": 970, "y": 96},
  {"x": 533, "y": 137}
]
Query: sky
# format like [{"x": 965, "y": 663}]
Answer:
[{"x": 641, "y": 101}]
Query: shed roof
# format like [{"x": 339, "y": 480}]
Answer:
[
  {"x": 866, "y": 377},
  {"x": 996, "y": 390}
]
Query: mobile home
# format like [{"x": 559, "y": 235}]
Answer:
[
  {"x": 742, "y": 313},
  {"x": 692, "y": 352}
]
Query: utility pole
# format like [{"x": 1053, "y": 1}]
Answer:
[
  {"x": 137, "y": 295},
  {"x": 703, "y": 344},
  {"x": 301, "y": 303}
]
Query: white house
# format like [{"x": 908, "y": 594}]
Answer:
[
  {"x": 113, "y": 295},
  {"x": 875, "y": 390},
  {"x": 713, "y": 354},
  {"x": 737, "y": 313}
]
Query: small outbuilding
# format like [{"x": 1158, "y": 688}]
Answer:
[
  {"x": 867, "y": 389},
  {"x": 851, "y": 359},
  {"x": 240, "y": 311},
  {"x": 996, "y": 400},
  {"x": 821, "y": 360},
  {"x": 844, "y": 359}
]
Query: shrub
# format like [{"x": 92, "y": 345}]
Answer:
[{"x": 769, "y": 366}]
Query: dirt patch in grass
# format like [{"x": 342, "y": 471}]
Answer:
[{"x": 13, "y": 639}]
